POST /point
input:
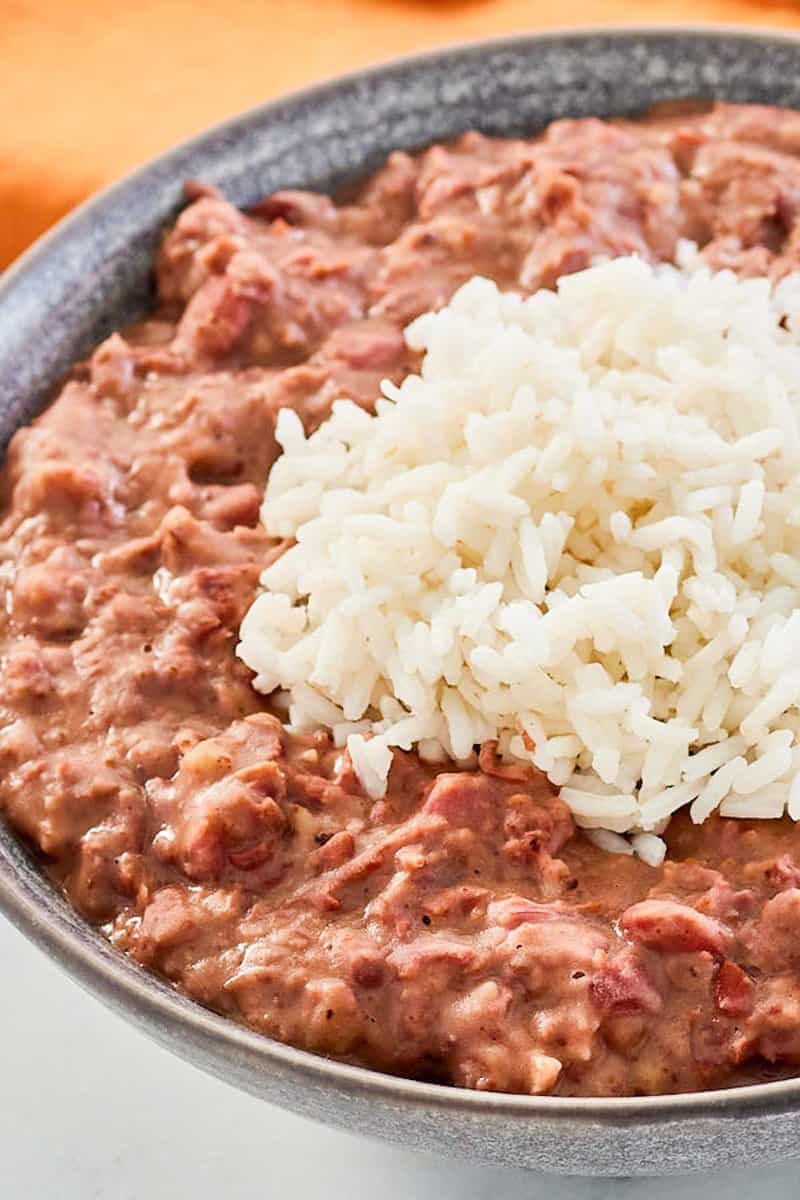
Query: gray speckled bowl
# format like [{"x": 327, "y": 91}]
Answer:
[{"x": 91, "y": 274}]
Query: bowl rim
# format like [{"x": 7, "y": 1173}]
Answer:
[{"x": 44, "y": 917}]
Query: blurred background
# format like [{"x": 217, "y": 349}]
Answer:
[{"x": 91, "y": 89}]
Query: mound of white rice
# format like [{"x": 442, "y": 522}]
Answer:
[{"x": 577, "y": 531}]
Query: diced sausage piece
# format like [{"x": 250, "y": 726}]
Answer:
[
  {"x": 773, "y": 941},
  {"x": 623, "y": 986},
  {"x": 672, "y": 928},
  {"x": 236, "y": 821},
  {"x": 214, "y": 320},
  {"x": 413, "y": 958},
  {"x": 168, "y": 917},
  {"x": 215, "y": 816},
  {"x": 517, "y": 910},
  {"x": 180, "y": 268},
  {"x": 367, "y": 346},
  {"x": 548, "y": 948},
  {"x": 234, "y": 506},
  {"x": 734, "y": 991},
  {"x": 464, "y": 800}
]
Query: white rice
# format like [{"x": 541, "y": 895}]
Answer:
[{"x": 577, "y": 531}]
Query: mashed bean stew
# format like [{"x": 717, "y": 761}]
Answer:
[{"x": 453, "y": 923}]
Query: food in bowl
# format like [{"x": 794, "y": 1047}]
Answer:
[{"x": 489, "y": 803}]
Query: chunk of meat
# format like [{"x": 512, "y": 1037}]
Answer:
[
  {"x": 168, "y": 917},
  {"x": 518, "y": 910},
  {"x": 226, "y": 807},
  {"x": 420, "y": 955},
  {"x": 672, "y": 928},
  {"x": 734, "y": 990},
  {"x": 214, "y": 321},
  {"x": 239, "y": 821},
  {"x": 622, "y": 985},
  {"x": 773, "y": 939},
  {"x": 465, "y": 799}
]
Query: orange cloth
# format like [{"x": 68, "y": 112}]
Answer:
[{"x": 90, "y": 88}]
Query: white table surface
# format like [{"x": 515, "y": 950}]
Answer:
[{"x": 92, "y": 1110}]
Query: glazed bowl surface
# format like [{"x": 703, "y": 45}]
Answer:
[{"x": 92, "y": 273}]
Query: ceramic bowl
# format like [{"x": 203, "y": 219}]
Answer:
[{"x": 93, "y": 273}]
